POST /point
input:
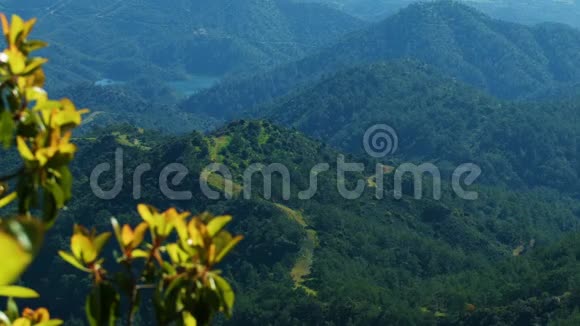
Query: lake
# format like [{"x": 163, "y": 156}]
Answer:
[{"x": 193, "y": 85}]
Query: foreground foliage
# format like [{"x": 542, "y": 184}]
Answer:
[{"x": 187, "y": 289}]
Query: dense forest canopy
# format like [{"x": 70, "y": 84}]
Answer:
[
  {"x": 505, "y": 59},
  {"x": 288, "y": 86},
  {"x": 527, "y": 12},
  {"x": 123, "y": 40}
]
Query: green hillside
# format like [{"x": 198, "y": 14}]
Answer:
[
  {"x": 144, "y": 104},
  {"x": 440, "y": 120},
  {"x": 526, "y": 12},
  {"x": 272, "y": 91},
  {"x": 122, "y": 40},
  {"x": 365, "y": 260},
  {"x": 506, "y": 59}
]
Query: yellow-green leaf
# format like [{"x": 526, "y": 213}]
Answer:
[
  {"x": 16, "y": 28},
  {"x": 138, "y": 253},
  {"x": 217, "y": 224},
  {"x": 4, "y": 320},
  {"x": 34, "y": 64},
  {"x": 14, "y": 291},
  {"x": 139, "y": 234},
  {"x": 188, "y": 319},
  {"x": 195, "y": 236},
  {"x": 14, "y": 259},
  {"x": 27, "y": 27},
  {"x": 16, "y": 61},
  {"x": 83, "y": 249},
  {"x": 24, "y": 150},
  {"x": 8, "y": 199},
  {"x": 176, "y": 254},
  {"x": 22, "y": 322},
  {"x": 101, "y": 240},
  {"x": 226, "y": 293},
  {"x": 52, "y": 322},
  {"x": 33, "y": 45},
  {"x": 117, "y": 231},
  {"x": 7, "y": 127},
  {"x": 228, "y": 248},
  {"x": 147, "y": 213},
  {"x": 72, "y": 260}
]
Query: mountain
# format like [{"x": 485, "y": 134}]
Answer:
[
  {"x": 532, "y": 12},
  {"x": 438, "y": 119},
  {"x": 121, "y": 40},
  {"x": 366, "y": 9},
  {"x": 508, "y": 60},
  {"x": 327, "y": 259},
  {"x": 145, "y": 103},
  {"x": 526, "y": 12}
]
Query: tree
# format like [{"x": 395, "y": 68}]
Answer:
[{"x": 176, "y": 261}]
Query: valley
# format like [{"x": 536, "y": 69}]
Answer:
[{"x": 268, "y": 91}]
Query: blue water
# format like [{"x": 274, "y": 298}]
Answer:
[{"x": 193, "y": 85}]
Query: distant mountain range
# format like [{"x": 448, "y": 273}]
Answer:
[
  {"x": 507, "y": 60},
  {"x": 124, "y": 39},
  {"x": 440, "y": 120},
  {"x": 300, "y": 85},
  {"x": 522, "y": 11}
]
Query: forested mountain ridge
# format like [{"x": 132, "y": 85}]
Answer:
[
  {"x": 122, "y": 40},
  {"x": 364, "y": 260},
  {"x": 438, "y": 119},
  {"x": 526, "y": 12},
  {"x": 145, "y": 103},
  {"x": 450, "y": 84},
  {"x": 506, "y": 59}
]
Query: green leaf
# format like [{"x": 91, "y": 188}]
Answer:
[
  {"x": 101, "y": 240},
  {"x": 24, "y": 151},
  {"x": 176, "y": 254},
  {"x": 102, "y": 306},
  {"x": 138, "y": 253},
  {"x": 83, "y": 248},
  {"x": 19, "y": 243},
  {"x": 14, "y": 291},
  {"x": 53, "y": 322},
  {"x": 8, "y": 199},
  {"x": 66, "y": 181},
  {"x": 4, "y": 320},
  {"x": 188, "y": 319},
  {"x": 6, "y": 128},
  {"x": 174, "y": 285},
  {"x": 117, "y": 231},
  {"x": 57, "y": 192},
  {"x": 231, "y": 245},
  {"x": 27, "y": 27},
  {"x": 217, "y": 224},
  {"x": 147, "y": 213},
  {"x": 34, "y": 64},
  {"x": 33, "y": 45},
  {"x": 49, "y": 210},
  {"x": 73, "y": 261},
  {"x": 226, "y": 293},
  {"x": 12, "y": 310},
  {"x": 16, "y": 28}
]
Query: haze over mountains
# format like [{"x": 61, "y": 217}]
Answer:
[
  {"x": 522, "y": 11},
  {"x": 122, "y": 39},
  {"x": 441, "y": 120},
  {"x": 505, "y": 59},
  {"x": 299, "y": 84}
]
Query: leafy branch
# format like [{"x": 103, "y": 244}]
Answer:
[{"x": 187, "y": 289}]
